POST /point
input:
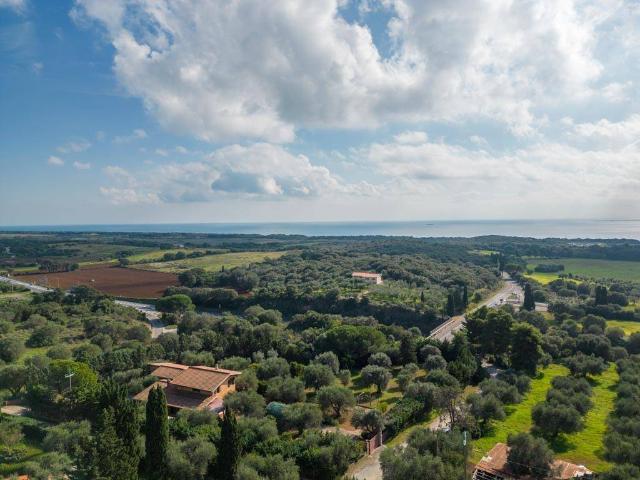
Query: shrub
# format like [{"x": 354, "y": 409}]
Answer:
[{"x": 402, "y": 414}]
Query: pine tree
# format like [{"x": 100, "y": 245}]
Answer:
[
  {"x": 451, "y": 305},
  {"x": 157, "y": 435},
  {"x": 125, "y": 412},
  {"x": 228, "y": 449},
  {"x": 529, "y": 302},
  {"x": 108, "y": 451}
]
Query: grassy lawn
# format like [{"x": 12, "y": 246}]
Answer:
[
  {"x": 32, "y": 451},
  {"x": 585, "y": 447},
  {"x": 211, "y": 263},
  {"x": 629, "y": 327},
  {"x": 518, "y": 416},
  {"x": 32, "y": 352},
  {"x": 33, "y": 448},
  {"x": 542, "y": 278},
  {"x": 390, "y": 396},
  {"x": 15, "y": 295},
  {"x": 621, "y": 270}
]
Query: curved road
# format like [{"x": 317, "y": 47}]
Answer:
[
  {"x": 149, "y": 310},
  {"x": 510, "y": 292}
]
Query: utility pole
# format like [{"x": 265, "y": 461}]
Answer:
[
  {"x": 466, "y": 455},
  {"x": 69, "y": 375}
]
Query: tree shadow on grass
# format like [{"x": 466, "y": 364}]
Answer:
[{"x": 560, "y": 444}]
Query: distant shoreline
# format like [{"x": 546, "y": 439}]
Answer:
[{"x": 569, "y": 229}]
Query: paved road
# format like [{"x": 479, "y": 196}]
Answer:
[
  {"x": 154, "y": 317},
  {"x": 510, "y": 292}
]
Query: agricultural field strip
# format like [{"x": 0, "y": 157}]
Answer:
[
  {"x": 587, "y": 267},
  {"x": 210, "y": 263}
]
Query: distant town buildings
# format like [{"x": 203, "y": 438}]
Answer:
[
  {"x": 193, "y": 387},
  {"x": 494, "y": 466},
  {"x": 371, "y": 277}
]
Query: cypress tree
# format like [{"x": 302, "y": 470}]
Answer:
[
  {"x": 451, "y": 305},
  {"x": 422, "y": 296},
  {"x": 465, "y": 296},
  {"x": 529, "y": 303},
  {"x": 228, "y": 449},
  {"x": 125, "y": 413},
  {"x": 108, "y": 451},
  {"x": 501, "y": 262},
  {"x": 157, "y": 435},
  {"x": 601, "y": 295},
  {"x": 408, "y": 350}
]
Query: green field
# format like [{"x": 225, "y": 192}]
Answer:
[
  {"x": 629, "y": 327},
  {"x": 585, "y": 267},
  {"x": 156, "y": 255},
  {"x": 210, "y": 263},
  {"x": 584, "y": 447},
  {"x": 519, "y": 416},
  {"x": 542, "y": 278}
]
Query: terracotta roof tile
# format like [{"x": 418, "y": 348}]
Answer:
[{"x": 202, "y": 378}]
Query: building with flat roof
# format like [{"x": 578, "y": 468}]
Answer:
[
  {"x": 195, "y": 387},
  {"x": 370, "y": 277},
  {"x": 494, "y": 466}
]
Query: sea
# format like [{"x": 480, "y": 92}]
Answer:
[{"x": 573, "y": 229}]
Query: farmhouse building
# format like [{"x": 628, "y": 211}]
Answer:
[
  {"x": 370, "y": 277},
  {"x": 193, "y": 387},
  {"x": 494, "y": 466}
]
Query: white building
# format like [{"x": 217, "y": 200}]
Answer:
[{"x": 370, "y": 277}]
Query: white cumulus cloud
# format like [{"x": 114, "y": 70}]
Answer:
[
  {"x": 55, "y": 161},
  {"x": 137, "y": 134},
  {"x": 81, "y": 165},
  {"x": 261, "y": 70},
  {"x": 17, "y": 5},
  {"x": 74, "y": 146},
  {"x": 258, "y": 171}
]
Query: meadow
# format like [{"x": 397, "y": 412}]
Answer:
[
  {"x": 518, "y": 416},
  {"x": 584, "y": 447},
  {"x": 629, "y": 327},
  {"x": 586, "y": 267},
  {"x": 210, "y": 263},
  {"x": 156, "y": 255}
]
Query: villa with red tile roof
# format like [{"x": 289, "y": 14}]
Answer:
[{"x": 193, "y": 387}]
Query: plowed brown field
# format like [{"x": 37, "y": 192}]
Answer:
[{"x": 117, "y": 281}]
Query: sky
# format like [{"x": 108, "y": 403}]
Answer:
[{"x": 167, "y": 111}]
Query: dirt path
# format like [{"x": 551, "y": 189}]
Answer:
[{"x": 368, "y": 467}]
